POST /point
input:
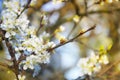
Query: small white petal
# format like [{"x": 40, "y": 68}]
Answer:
[{"x": 7, "y": 35}]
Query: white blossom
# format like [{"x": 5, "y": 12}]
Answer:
[
  {"x": 36, "y": 44},
  {"x": 8, "y": 18},
  {"x": 13, "y": 5},
  {"x": 39, "y": 47},
  {"x": 29, "y": 62},
  {"x": 22, "y": 22},
  {"x": 22, "y": 35},
  {"x": 44, "y": 58},
  {"x": 92, "y": 64},
  {"x": 21, "y": 77},
  {"x": 8, "y": 34}
]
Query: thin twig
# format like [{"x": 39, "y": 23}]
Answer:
[
  {"x": 73, "y": 28},
  {"x": 59, "y": 45},
  {"x": 108, "y": 68},
  {"x": 41, "y": 25},
  {"x": 4, "y": 64},
  {"x": 99, "y": 12},
  {"x": 27, "y": 6},
  {"x": 98, "y": 2},
  {"x": 86, "y": 8},
  {"x": 22, "y": 57}
]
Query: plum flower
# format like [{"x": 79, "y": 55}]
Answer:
[
  {"x": 29, "y": 62},
  {"x": 21, "y": 77},
  {"x": 92, "y": 64}
]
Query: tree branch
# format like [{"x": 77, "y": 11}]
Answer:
[
  {"x": 108, "y": 68},
  {"x": 27, "y": 6},
  {"x": 41, "y": 25},
  {"x": 59, "y": 45},
  {"x": 4, "y": 64},
  {"x": 99, "y": 11},
  {"x": 11, "y": 52}
]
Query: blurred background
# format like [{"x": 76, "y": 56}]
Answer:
[{"x": 74, "y": 16}]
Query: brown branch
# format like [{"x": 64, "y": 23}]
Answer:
[
  {"x": 98, "y": 2},
  {"x": 74, "y": 27},
  {"x": 75, "y": 6},
  {"x": 61, "y": 21},
  {"x": 27, "y": 6},
  {"x": 80, "y": 34},
  {"x": 4, "y": 64},
  {"x": 86, "y": 8},
  {"x": 41, "y": 25},
  {"x": 99, "y": 12},
  {"x": 108, "y": 68},
  {"x": 22, "y": 57},
  {"x": 11, "y": 52},
  {"x": 92, "y": 12}
]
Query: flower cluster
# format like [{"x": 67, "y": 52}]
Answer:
[
  {"x": 10, "y": 23},
  {"x": 92, "y": 64},
  {"x": 38, "y": 48},
  {"x": 22, "y": 35}
]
